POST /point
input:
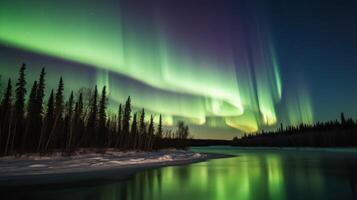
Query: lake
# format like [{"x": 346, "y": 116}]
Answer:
[{"x": 254, "y": 174}]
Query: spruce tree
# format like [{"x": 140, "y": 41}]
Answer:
[
  {"x": 41, "y": 92},
  {"x": 151, "y": 128},
  {"x": 6, "y": 100},
  {"x": 57, "y": 135},
  {"x": 38, "y": 108},
  {"x": 134, "y": 132},
  {"x": 102, "y": 108},
  {"x": 68, "y": 122},
  {"x": 119, "y": 135},
  {"x": 126, "y": 116},
  {"x": 5, "y": 107},
  {"x": 142, "y": 129},
  {"x": 126, "y": 122},
  {"x": 79, "y": 106},
  {"x": 69, "y": 106},
  {"x": 31, "y": 106},
  {"x": 20, "y": 94},
  {"x": 182, "y": 134},
  {"x": 102, "y": 116},
  {"x": 49, "y": 124},
  {"x": 29, "y": 138},
  {"x": 78, "y": 121},
  {"x": 19, "y": 117},
  {"x": 159, "y": 128},
  {"x": 158, "y": 136},
  {"x": 50, "y": 114},
  {"x": 59, "y": 100},
  {"x": 92, "y": 120},
  {"x": 151, "y": 131}
]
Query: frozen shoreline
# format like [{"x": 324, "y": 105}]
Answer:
[{"x": 111, "y": 165}]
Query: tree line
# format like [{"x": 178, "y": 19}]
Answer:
[
  {"x": 320, "y": 134},
  {"x": 29, "y": 124}
]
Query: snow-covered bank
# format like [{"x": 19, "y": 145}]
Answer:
[
  {"x": 33, "y": 164},
  {"x": 24, "y": 170}
]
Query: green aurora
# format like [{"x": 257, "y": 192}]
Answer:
[{"x": 178, "y": 80}]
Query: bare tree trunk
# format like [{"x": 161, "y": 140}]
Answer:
[
  {"x": 121, "y": 140},
  {"x": 13, "y": 139},
  {"x": 8, "y": 135},
  {"x": 24, "y": 140},
  {"x": 43, "y": 130},
  {"x": 51, "y": 133},
  {"x": 69, "y": 144}
]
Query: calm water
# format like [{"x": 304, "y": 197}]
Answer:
[{"x": 253, "y": 174}]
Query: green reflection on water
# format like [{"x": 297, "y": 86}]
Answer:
[
  {"x": 266, "y": 174},
  {"x": 248, "y": 176}
]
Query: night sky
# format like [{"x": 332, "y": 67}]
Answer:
[{"x": 225, "y": 67}]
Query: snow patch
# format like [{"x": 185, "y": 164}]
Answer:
[
  {"x": 137, "y": 160},
  {"x": 165, "y": 157},
  {"x": 37, "y": 165},
  {"x": 197, "y": 155}
]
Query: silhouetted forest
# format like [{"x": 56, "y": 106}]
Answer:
[
  {"x": 321, "y": 134},
  {"x": 207, "y": 142},
  {"x": 31, "y": 124}
]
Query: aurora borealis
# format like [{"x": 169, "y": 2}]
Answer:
[{"x": 214, "y": 65}]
